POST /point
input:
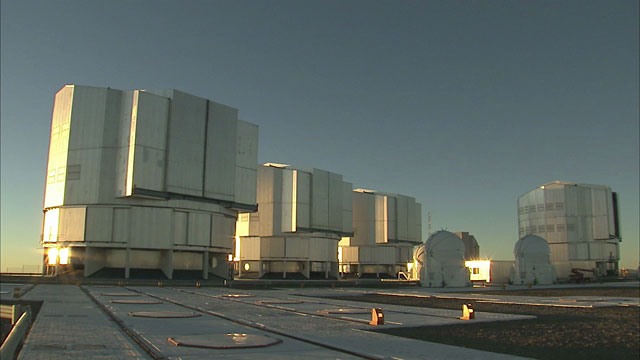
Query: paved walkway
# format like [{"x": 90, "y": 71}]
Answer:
[{"x": 71, "y": 326}]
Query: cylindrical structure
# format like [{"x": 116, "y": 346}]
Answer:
[{"x": 579, "y": 221}]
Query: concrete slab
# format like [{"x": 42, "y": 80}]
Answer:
[
  {"x": 344, "y": 332},
  {"x": 157, "y": 332},
  {"x": 71, "y": 326}
]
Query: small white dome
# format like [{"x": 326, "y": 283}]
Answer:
[
  {"x": 444, "y": 245},
  {"x": 531, "y": 244}
]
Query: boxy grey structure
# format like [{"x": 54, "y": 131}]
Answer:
[{"x": 145, "y": 179}]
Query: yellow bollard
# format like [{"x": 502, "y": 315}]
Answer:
[
  {"x": 467, "y": 312},
  {"x": 377, "y": 317}
]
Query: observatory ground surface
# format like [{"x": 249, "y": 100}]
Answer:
[{"x": 137, "y": 322}]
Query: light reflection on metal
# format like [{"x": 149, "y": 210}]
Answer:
[
  {"x": 64, "y": 256},
  {"x": 237, "y": 254},
  {"x": 51, "y": 221},
  {"x": 132, "y": 144},
  {"x": 385, "y": 221},
  {"x": 366, "y": 191},
  {"x": 282, "y": 166},
  {"x": 58, "y": 148},
  {"x": 294, "y": 200},
  {"x": 53, "y": 256},
  {"x": 479, "y": 270}
]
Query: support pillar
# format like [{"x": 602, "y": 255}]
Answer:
[
  {"x": 127, "y": 263},
  {"x": 205, "y": 265}
]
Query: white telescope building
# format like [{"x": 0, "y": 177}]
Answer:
[
  {"x": 302, "y": 214},
  {"x": 145, "y": 180},
  {"x": 386, "y": 227},
  {"x": 580, "y": 222}
]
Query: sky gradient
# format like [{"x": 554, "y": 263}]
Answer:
[{"x": 464, "y": 105}]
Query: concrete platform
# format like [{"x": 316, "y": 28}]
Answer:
[
  {"x": 71, "y": 326},
  {"x": 299, "y": 323},
  {"x": 301, "y": 320}
]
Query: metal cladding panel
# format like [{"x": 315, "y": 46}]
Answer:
[
  {"x": 266, "y": 219},
  {"x": 222, "y": 230},
  {"x": 610, "y": 212},
  {"x": 347, "y": 207},
  {"x": 87, "y": 117},
  {"x": 122, "y": 143},
  {"x": 99, "y": 224},
  {"x": 323, "y": 249},
  {"x": 220, "y": 165},
  {"x": 335, "y": 202},
  {"x": 403, "y": 218},
  {"x": 250, "y": 248},
  {"x": 584, "y": 228},
  {"x": 121, "y": 225},
  {"x": 368, "y": 255},
  {"x": 579, "y": 251},
  {"x": 350, "y": 254},
  {"x": 246, "y": 162},
  {"x": 392, "y": 217},
  {"x": 58, "y": 147},
  {"x": 411, "y": 219},
  {"x": 150, "y": 228},
  {"x": 82, "y": 185},
  {"x": 111, "y": 129},
  {"x": 404, "y": 254},
  {"x": 598, "y": 251},
  {"x": 303, "y": 208},
  {"x": 186, "y": 144},
  {"x": 72, "y": 224},
  {"x": 254, "y": 224},
  {"x": 199, "y": 232},
  {"x": 243, "y": 225},
  {"x": 245, "y": 187},
  {"x": 266, "y": 184},
  {"x": 381, "y": 219},
  {"x": 287, "y": 198},
  {"x": 247, "y": 145},
  {"x": 386, "y": 254},
  {"x": 571, "y": 198},
  {"x": 571, "y": 229},
  {"x": 148, "y": 139},
  {"x": 601, "y": 227},
  {"x": 363, "y": 219},
  {"x": 320, "y": 199},
  {"x": 584, "y": 201},
  {"x": 297, "y": 247},
  {"x": 418, "y": 225},
  {"x": 559, "y": 252},
  {"x": 271, "y": 247},
  {"x": 180, "y": 226}
]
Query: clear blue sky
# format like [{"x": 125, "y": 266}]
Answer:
[{"x": 464, "y": 105}]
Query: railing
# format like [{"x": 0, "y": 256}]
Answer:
[
  {"x": 20, "y": 274},
  {"x": 21, "y": 320}
]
